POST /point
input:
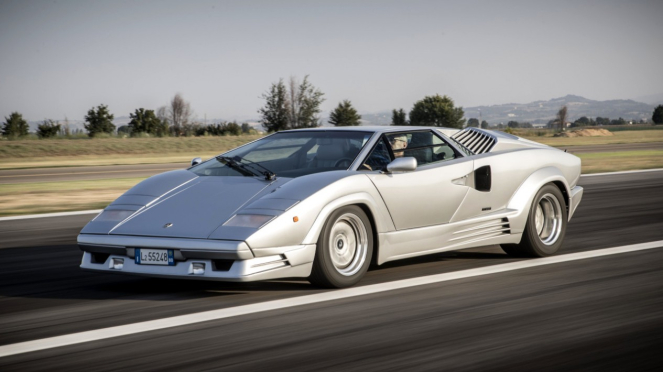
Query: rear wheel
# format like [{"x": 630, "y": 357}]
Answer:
[
  {"x": 344, "y": 249},
  {"x": 546, "y": 225}
]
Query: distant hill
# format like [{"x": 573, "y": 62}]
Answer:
[{"x": 543, "y": 111}]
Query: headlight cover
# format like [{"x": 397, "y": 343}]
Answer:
[
  {"x": 113, "y": 215},
  {"x": 255, "y": 221}
]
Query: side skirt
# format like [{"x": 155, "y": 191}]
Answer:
[{"x": 489, "y": 229}]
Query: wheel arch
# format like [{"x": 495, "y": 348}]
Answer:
[
  {"x": 367, "y": 203},
  {"x": 521, "y": 200}
]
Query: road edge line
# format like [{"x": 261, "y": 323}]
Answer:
[
  {"x": 622, "y": 172},
  {"x": 194, "y": 318},
  {"x": 44, "y": 215}
]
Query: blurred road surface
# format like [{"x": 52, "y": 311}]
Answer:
[{"x": 598, "y": 314}]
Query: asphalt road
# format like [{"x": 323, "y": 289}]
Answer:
[
  {"x": 598, "y": 314},
  {"x": 147, "y": 170}
]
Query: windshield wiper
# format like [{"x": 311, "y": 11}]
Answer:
[
  {"x": 237, "y": 166},
  {"x": 252, "y": 167},
  {"x": 269, "y": 175}
]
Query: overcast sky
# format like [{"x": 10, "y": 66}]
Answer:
[{"x": 60, "y": 58}]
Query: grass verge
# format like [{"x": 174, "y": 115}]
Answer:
[
  {"x": 47, "y": 197},
  {"x": 599, "y": 162},
  {"x": 113, "y": 151}
]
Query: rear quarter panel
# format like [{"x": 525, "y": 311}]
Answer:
[{"x": 510, "y": 170}]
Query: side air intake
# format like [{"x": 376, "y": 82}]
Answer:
[{"x": 475, "y": 140}]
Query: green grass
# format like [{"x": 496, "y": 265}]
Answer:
[
  {"x": 45, "y": 197},
  {"x": 599, "y": 162},
  {"x": 29, "y": 153}
]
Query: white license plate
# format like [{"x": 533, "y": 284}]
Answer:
[{"x": 155, "y": 257}]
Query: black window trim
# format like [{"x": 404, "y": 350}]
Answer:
[{"x": 383, "y": 136}]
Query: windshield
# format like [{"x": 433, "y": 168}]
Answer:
[{"x": 290, "y": 154}]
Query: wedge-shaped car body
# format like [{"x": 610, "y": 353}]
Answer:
[{"x": 325, "y": 203}]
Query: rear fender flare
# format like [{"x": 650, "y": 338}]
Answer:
[{"x": 521, "y": 200}]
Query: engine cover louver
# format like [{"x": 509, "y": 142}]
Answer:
[{"x": 475, "y": 140}]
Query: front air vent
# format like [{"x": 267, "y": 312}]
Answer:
[{"x": 476, "y": 140}]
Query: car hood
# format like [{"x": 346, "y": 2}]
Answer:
[{"x": 181, "y": 204}]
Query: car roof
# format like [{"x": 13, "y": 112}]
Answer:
[{"x": 371, "y": 128}]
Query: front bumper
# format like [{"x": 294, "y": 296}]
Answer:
[{"x": 219, "y": 260}]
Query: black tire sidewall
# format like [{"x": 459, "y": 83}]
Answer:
[{"x": 323, "y": 262}]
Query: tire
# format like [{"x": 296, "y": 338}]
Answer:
[
  {"x": 546, "y": 225},
  {"x": 344, "y": 249}
]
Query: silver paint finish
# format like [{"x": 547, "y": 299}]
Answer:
[
  {"x": 264, "y": 268},
  {"x": 429, "y": 209},
  {"x": 406, "y": 164},
  {"x": 425, "y": 197},
  {"x": 232, "y": 249}
]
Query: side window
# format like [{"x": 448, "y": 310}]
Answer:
[
  {"x": 378, "y": 159},
  {"x": 427, "y": 148}
]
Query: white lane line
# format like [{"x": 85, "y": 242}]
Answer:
[
  {"x": 622, "y": 172},
  {"x": 176, "y": 321},
  {"x": 59, "y": 214}
]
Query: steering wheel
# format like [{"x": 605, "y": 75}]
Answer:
[{"x": 343, "y": 163}]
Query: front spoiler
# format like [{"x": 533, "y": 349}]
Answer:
[{"x": 221, "y": 260}]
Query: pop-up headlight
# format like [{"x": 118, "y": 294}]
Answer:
[
  {"x": 113, "y": 215},
  {"x": 248, "y": 220}
]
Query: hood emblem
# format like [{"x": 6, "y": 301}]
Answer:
[{"x": 167, "y": 225}]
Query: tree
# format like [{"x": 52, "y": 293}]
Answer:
[
  {"x": 582, "y": 121},
  {"x": 398, "y": 117},
  {"x": 602, "y": 121},
  {"x": 179, "y": 114},
  {"x": 99, "y": 121},
  {"x": 48, "y": 128},
  {"x": 657, "y": 116},
  {"x": 513, "y": 124},
  {"x": 562, "y": 115},
  {"x": 303, "y": 104},
  {"x": 146, "y": 121},
  {"x": 275, "y": 113},
  {"x": 344, "y": 115},
  {"x": 233, "y": 129},
  {"x": 437, "y": 111},
  {"x": 124, "y": 130},
  {"x": 473, "y": 122},
  {"x": 484, "y": 124},
  {"x": 15, "y": 126},
  {"x": 246, "y": 128}
]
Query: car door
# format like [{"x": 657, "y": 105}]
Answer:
[{"x": 428, "y": 195}]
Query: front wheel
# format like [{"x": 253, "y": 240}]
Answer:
[
  {"x": 344, "y": 249},
  {"x": 546, "y": 225}
]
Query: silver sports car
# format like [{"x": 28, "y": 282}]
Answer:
[{"x": 325, "y": 203}]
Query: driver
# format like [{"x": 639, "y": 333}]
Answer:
[
  {"x": 398, "y": 144},
  {"x": 379, "y": 158}
]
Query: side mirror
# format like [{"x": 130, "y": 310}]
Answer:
[
  {"x": 406, "y": 164},
  {"x": 196, "y": 161}
]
